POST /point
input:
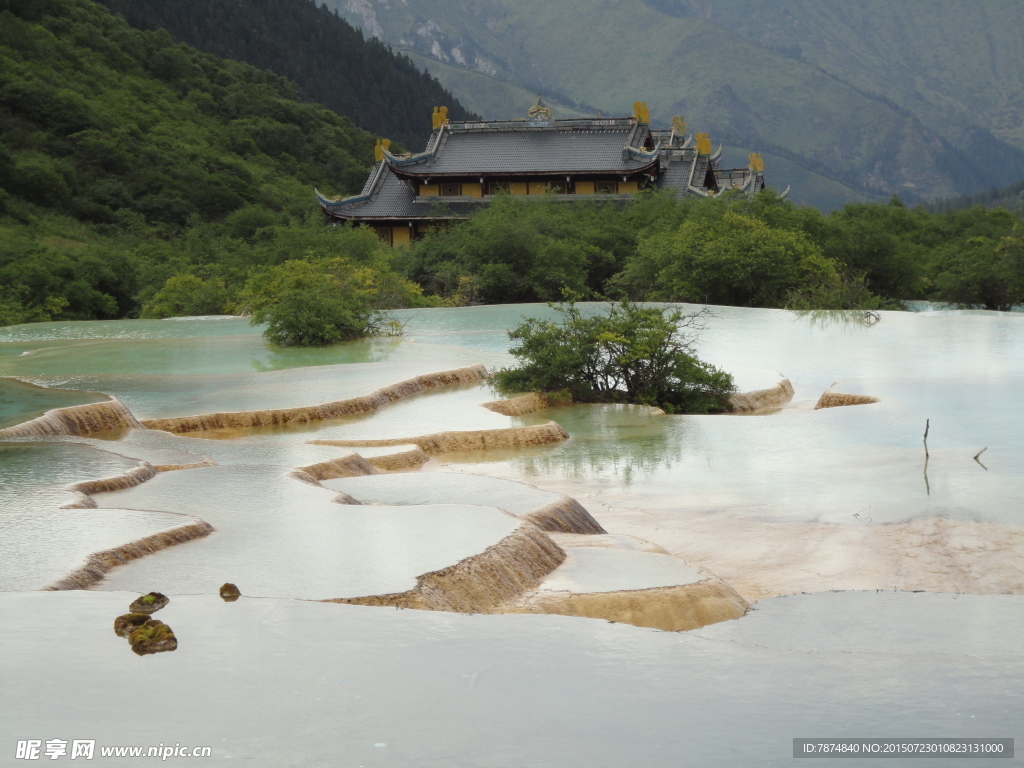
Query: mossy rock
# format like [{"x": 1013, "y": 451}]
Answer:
[
  {"x": 152, "y": 637},
  {"x": 150, "y": 603},
  {"x": 125, "y": 625},
  {"x": 229, "y": 593}
]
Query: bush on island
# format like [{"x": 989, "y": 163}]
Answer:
[
  {"x": 313, "y": 303},
  {"x": 628, "y": 354}
]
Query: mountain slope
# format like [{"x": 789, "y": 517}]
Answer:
[
  {"x": 126, "y": 158},
  {"x": 800, "y": 80},
  {"x": 326, "y": 58}
]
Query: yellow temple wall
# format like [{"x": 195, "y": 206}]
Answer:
[
  {"x": 429, "y": 190},
  {"x": 474, "y": 189},
  {"x": 585, "y": 188},
  {"x": 519, "y": 188},
  {"x": 401, "y": 236}
]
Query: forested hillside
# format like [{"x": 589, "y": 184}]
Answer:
[
  {"x": 139, "y": 176},
  {"x": 327, "y": 58},
  {"x": 1011, "y": 198},
  {"x": 853, "y": 100},
  {"x": 126, "y": 158}
]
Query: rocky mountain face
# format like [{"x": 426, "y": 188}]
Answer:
[{"x": 855, "y": 100}]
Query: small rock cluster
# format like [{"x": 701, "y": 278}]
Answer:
[{"x": 146, "y": 635}]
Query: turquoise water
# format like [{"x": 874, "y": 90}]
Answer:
[
  {"x": 20, "y": 401},
  {"x": 391, "y": 687},
  {"x": 964, "y": 372},
  {"x": 39, "y": 541}
]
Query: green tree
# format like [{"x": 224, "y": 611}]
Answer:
[
  {"x": 983, "y": 272},
  {"x": 630, "y": 354},
  {"x": 321, "y": 302},
  {"x": 882, "y": 242},
  {"x": 734, "y": 260},
  {"x": 184, "y": 295}
]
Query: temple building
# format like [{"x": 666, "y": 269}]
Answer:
[{"x": 466, "y": 164}]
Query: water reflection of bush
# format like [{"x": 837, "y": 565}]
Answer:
[
  {"x": 625, "y": 441},
  {"x": 377, "y": 350},
  {"x": 826, "y": 318}
]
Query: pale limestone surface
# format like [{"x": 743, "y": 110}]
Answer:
[
  {"x": 516, "y": 498},
  {"x": 282, "y": 683},
  {"x": 597, "y": 569},
  {"x": 276, "y": 536}
]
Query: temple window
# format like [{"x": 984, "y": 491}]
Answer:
[
  {"x": 606, "y": 187},
  {"x": 497, "y": 187},
  {"x": 450, "y": 190}
]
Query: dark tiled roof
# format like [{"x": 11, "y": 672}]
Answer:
[
  {"x": 532, "y": 151},
  {"x": 395, "y": 200},
  {"x": 677, "y": 176},
  {"x": 368, "y": 186}
]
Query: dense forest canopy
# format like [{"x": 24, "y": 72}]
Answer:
[
  {"x": 127, "y": 159},
  {"x": 325, "y": 56},
  {"x": 758, "y": 252},
  {"x": 1010, "y": 197}
]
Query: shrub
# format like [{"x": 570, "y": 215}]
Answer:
[
  {"x": 320, "y": 302},
  {"x": 628, "y": 354},
  {"x": 732, "y": 259},
  {"x": 184, "y": 295}
]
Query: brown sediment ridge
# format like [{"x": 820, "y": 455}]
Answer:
[
  {"x": 176, "y": 467},
  {"x": 77, "y": 420},
  {"x": 831, "y": 399},
  {"x": 99, "y": 564},
  {"x": 759, "y": 399},
  {"x": 448, "y": 442},
  {"x": 135, "y": 476},
  {"x": 519, "y": 406},
  {"x": 304, "y": 477},
  {"x": 84, "y": 501},
  {"x": 350, "y": 465},
  {"x": 399, "y": 461},
  {"x": 674, "y": 609},
  {"x": 481, "y": 583},
  {"x": 505, "y": 579},
  {"x": 323, "y": 412},
  {"x": 566, "y": 516}
]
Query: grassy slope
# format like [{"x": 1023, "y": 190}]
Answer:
[{"x": 822, "y": 113}]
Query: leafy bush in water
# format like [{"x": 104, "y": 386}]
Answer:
[
  {"x": 319, "y": 302},
  {"x": 629, "y": 354}
]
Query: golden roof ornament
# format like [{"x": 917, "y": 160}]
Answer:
[
  {"x": 538, "y": 112},
  {"x": 641, "y": 112},
  {"x": 756, "y": 162},
  {"x": 679, "y": 125},
  {"x": 380, "y": 149},
  {"x": 704, "y": 143},
  {"x": 440, "y": 117}
]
